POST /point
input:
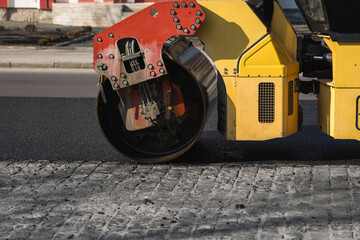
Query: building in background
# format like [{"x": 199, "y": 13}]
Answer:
[
  {"x": 47, "y": 4},
  {"x": 95, "y": 13},
  {"x": 38, "y": 4}
]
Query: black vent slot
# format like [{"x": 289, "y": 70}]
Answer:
[
  {"x": 222, "y": 105},
  {"x": 358, "y": 113},
  {"x": 290, "y": 98},
  {"x": 266, "y": 102}
]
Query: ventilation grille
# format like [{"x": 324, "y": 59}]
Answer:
[
  {"x": 266, "y": 102},
  {"x": 291, "y": 98}
]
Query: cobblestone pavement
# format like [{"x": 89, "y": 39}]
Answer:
[{"x": 111, "y": 200}]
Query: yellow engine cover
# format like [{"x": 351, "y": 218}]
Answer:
[{"x": 258, "y": 68}]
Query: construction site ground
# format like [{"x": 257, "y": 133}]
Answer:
[{"x": 25, "y": 34}]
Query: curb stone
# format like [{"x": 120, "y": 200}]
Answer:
[{"x": 46, "y": 65}]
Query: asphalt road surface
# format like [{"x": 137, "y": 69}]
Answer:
[{"x": 50, "y": 114}]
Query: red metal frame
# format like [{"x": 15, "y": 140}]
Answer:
[{"x": 150, "y": 31}]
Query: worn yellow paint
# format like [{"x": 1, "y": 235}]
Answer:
[{"x": 246, "y": 54}]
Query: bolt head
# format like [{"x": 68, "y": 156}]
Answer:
[
  {"x": 193, "y": 27},
  {"x": 113, "y": 78},
  {"x": 176, "y": 5},
  {"x": 116, "y": 85},
  {"x": 173, "y": 12},
  {"x": 153, "y": 74},
  {"x": 159, "y": 63},
  {"x": 111, "y": 56},
  {"x": 101, "y": 66},
  {"x": 198, "y": 21},
  {"x": 183, "y": 4},
  {"x": 150, "y": 66},
  {"x": 198, "y": 13},
  {"x": 122, "y": 75},
  {"x": 191, "y": 4},
  {"x": 162, "y": 70},
  {"x": 176, "y": 19},
  {"x": 111, "y": 35},
  {"x": 186, "y": 30},
  {"x": 99, "y": 39},
  {"x": 100, "y": 56},
  {"x": 178, "y": 27},
  {"x": 125, "y": 83}
]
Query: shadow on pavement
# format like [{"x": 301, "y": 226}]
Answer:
[{"x": 307, "y": 147}]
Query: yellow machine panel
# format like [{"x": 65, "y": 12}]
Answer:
[
  {"x": 339, "y": 112},
  {"x": 266, "y": 109},
  {"x": 275, "y": 54},
  {"x": 258, "y": 68},
  {"x": 346, "y": 63},
  {"x": 338, "y": 103}
]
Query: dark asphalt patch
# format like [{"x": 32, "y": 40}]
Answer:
[{"x": 66, "y": 129}]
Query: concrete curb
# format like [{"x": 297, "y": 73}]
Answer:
[
  {"x": 60, "y": 57},
  {"x": 45, "y": 48},
  {"x": 46, "y": 65}
]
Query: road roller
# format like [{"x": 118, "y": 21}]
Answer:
[{"x": 163, "y": 69}]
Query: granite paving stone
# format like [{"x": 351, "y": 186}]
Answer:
[{"x": 114, "y": 200}]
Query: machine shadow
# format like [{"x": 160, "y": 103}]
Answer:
[
  {"x": 226, "y": 34},
  {"x": 309, "y": 146}
]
